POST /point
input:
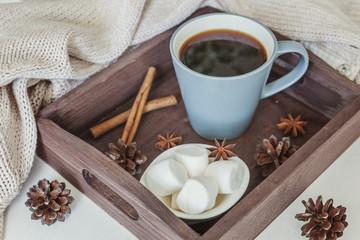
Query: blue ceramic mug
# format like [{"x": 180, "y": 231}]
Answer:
[{"x": 222, "y": 107}]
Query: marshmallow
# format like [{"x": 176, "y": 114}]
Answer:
[
  {"x": 173, "y": 201},
  {"x": 194, "y": 158},
  {"x": 226, "y": 174},
  {"x": 166, "y": 177},
  {"x": 212, "y": 204},
  {"x": 197, "y": 195}
]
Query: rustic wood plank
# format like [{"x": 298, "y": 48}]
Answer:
[
  {"x": 259, "y": 208},
  {"x": 109, "y": 194},
  {"x": 322, "y": 88},
  {"x": 59, "y": 148}
]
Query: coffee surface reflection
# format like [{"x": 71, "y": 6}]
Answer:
[{"x": 222, "y": 53}]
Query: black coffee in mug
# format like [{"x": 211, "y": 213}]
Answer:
[{"x": 222, "y": 53}]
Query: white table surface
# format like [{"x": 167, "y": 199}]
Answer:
[{"x": 88, "y": 221}]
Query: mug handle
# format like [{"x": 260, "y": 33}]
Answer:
[{"x": 294, "y": 75}]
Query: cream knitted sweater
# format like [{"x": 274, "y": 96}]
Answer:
[{"x": 49, "y": 47}]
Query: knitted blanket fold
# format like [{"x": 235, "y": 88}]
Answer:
[{"x": 49, "y": 47}]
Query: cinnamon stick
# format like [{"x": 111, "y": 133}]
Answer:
[
  {"x": 138, "y": 116},
  {"x": 152, "y": 105},
  {"x": 145, "y": 87}
]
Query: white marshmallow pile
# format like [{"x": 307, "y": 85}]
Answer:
[{"x": 191, "y": 181}]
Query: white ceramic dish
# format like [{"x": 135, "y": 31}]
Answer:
[{"x": 223, "y": 201}]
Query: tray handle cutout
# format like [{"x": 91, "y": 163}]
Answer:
[{"x": 110, "y": 195}]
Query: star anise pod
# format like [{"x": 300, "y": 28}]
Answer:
[
  {"x": 272, "y": 153},
  {"x": 292, "y": 125},
  {"x": 221, "y": 151},
  {"x": 167, "y": 142},
  {"x": 323, "y": 221}
]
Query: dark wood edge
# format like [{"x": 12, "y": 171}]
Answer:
[
  {"x": 260, "y": 207},
  {"x": 155, "y": 220},
  {"x": 110, "y": 195}
]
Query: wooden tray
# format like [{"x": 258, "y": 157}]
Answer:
[{"x": 324, "y": 98}]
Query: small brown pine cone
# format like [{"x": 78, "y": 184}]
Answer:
[
  {"x": 49, "y": 201},
  {"x": 323, "y": 221},
  {"x": 128, "y": 157},
  {"x": 272, "y": 153}
]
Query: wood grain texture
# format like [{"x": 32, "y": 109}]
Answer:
[
  {"x": 321, "y": 88},
  {"x": 109, "y": 194},
  {"x": 66, "y": 143}
]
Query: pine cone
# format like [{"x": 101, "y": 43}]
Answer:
[
  {"x": 271, "y": 154},
  {"x": 49, "y": 201},
  {"x": 323, "y": 222},
  {"x": 128, "y": 157}
]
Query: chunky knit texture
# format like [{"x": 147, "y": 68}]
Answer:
[{"x": 49, "y": 47}]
